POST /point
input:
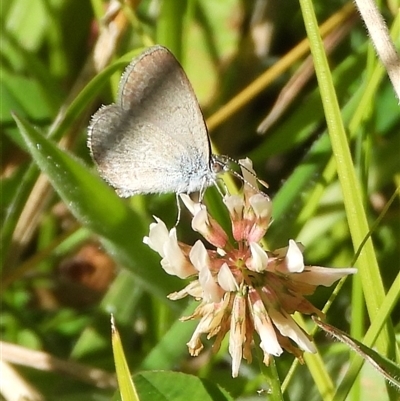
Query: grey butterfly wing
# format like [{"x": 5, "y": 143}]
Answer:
[
  {"x": 128, "y": 155},
  {"x": 154, "y": 138}
]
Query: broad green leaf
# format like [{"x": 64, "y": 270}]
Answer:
[{"x": 174, "y": 386}]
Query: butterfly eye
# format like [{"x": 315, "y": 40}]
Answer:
[{"x": 217, "y": 167}]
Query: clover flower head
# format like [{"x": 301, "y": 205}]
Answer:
[{"x": 242, "y": 287}]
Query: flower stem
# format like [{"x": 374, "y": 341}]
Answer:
[{"x": 271, "y": 375}]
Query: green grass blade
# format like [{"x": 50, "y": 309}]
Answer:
[
  {"x": 369, "y": 270},
  {"x": 125, "y": 383}
]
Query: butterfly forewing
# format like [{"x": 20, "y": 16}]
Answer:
[{"x": 154, "y": 138}]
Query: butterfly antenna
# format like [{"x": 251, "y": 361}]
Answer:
[{"x": 223, "y": 161}]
